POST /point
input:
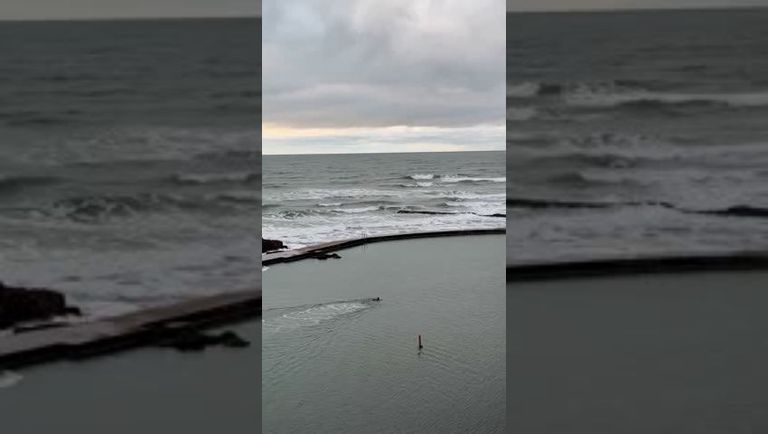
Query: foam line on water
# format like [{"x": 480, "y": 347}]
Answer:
[
  {"x": 312, "y": 315},
  {"x": 9, "y": 379}
]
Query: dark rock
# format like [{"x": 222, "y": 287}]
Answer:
[
  {"x": 325, "y": 256},
  {"x": 548, "y": 204},
  {"x": 408, "y": 211},
  {"x": 73, "y": 311},
  {"x": 232, "y": 340},
  {"x": 555, "y": 204},
  {"x": 271, "y": 245},
  {"x": 192, "y": 340},
  {"x": 740, "y": 211},
  {"x": 19, "y": 304}
]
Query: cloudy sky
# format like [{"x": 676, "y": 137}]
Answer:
[
  {"x": 347, "y": 76},
  {"x": 550, "y": 5},
  {"x": 88, "y": 9}
]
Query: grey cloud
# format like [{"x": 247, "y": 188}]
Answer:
[{"x": 373, "y": 63}]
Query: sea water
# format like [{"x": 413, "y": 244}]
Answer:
[
  {"x": 633, "y": 133},
  {"x": 130, "y": 158}
]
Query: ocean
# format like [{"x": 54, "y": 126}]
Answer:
[
  {"x": 636, "y": 133},
  {"x": 130, "y": 158},
  {"x": 309, "y": 199}
]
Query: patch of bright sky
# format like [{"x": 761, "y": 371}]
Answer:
[
  {"x": 281, "y": 140},
  {"x": 362, "y": 76}
]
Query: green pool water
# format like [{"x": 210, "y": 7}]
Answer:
[
  {"x": 334, "y": 361},
  {"x": 669, "y": 353}
]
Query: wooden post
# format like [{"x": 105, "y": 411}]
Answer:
[{"x": 420, "y": 346}]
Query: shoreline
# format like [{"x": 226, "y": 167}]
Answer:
[
  {"x": 740, "y": 261},
  {"x": 286, "y": 256},
  {"x": 151, "y": 326}
]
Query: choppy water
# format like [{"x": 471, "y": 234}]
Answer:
[
  {"x": 130, "y": 158},
  {"x": 334, "y": 360},
  {"x": 632, "y": 133},
  {"x": 316, "y": 198}
]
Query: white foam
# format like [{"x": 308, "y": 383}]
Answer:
[
  {"x": 521, "y": 114},
  {"x": 479, "y": 207},
  {"x": 623, "y": 232},
  {"x": 318, "y": 229},
  {"x": 418, "y": 185},
  {"x": 422, "y": 176},
  {"x": 609, "y": 98},
  {"x": 211, "y": 178},
  {"x": 454, "y": 179},
  {"x": 325, "y": 194},
  {"x": 523, "y": 90},
  {"x": 9, "y": 379},
  {"x": 312, "y": 316},
  {"x": 357, "y": 210}
]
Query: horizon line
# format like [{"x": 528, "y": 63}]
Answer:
[
  {"x": 399, "y": 152},
  {"x": 637, "y": 9},
  {"x": 129, "y": 18}
]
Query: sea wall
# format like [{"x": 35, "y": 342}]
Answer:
[
  {"x": 334, "y": 246},
  {"x": 744, "y": 261},
  {"x": 144, "y": 328}
]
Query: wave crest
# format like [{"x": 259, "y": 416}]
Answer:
[
  {"x": 421, "y": 176},
  {"x": 215, "y": 178},
  {"x": 452, "y": 179}
]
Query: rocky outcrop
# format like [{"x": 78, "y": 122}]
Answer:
[
  {"x": 272, "y": 245},
  {"x": 326, "y": 256},
  {"x": 408, "y": 211},
  {"x": 427, "y": 212},
  {"x": 191, "y": 340},
  {"x": 740, "y": 211},
  {"x": 18, "y": 304}
]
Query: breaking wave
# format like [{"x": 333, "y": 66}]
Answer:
[
  {"x": 522, "y": 114},
  {"x": 458, "y": 178},
  {"x": 448, "y": 179},
  {"x": 545, "y": 204},
  {"x": 99, "y": 208},
  {"x": 357, "y": 210},
  {"x": 215, "y": 178},
  {"x": 628, "y": 93},
  {"x": 420, "y": 176},
  {"x": 650, "y": 100}
]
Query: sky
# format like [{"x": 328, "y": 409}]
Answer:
[
  {"x": 572, "y": 5},
  {"x": 354, "y": 76},
  {"x": 95, "y": 9}
]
